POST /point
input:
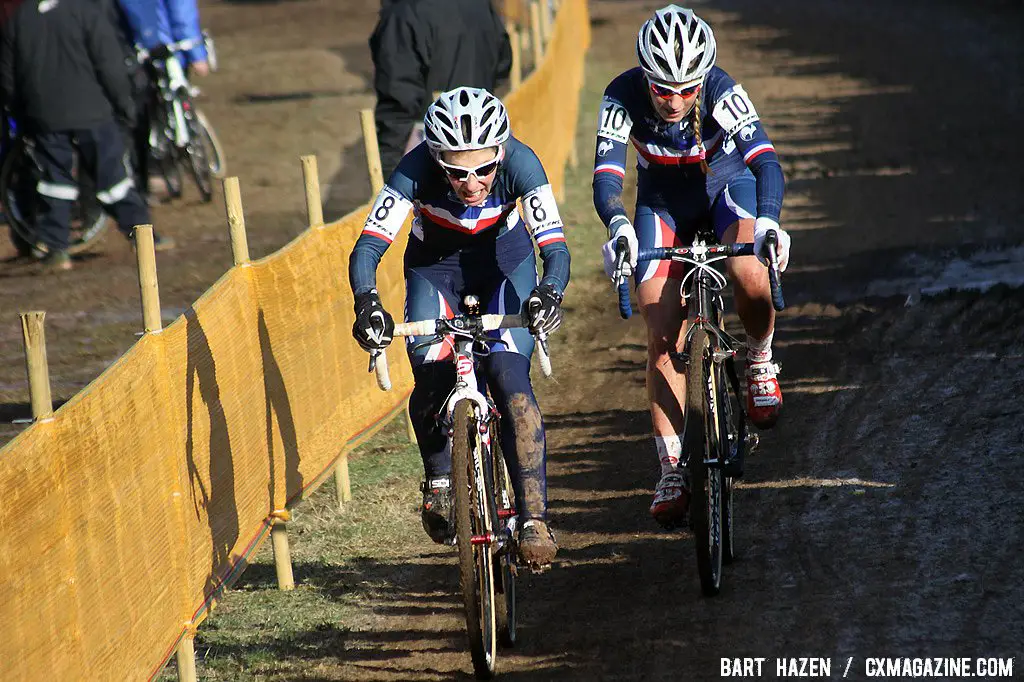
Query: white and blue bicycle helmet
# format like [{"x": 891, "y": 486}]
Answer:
[
  {"x": 464, "y": 119},
  {"x": 676, "y": 46}
]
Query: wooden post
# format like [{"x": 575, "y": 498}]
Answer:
[
  {"x": 411, "y": 432},
  {"x": 341, "y": 480},
  {"x": 372, "y": 150},
  {"x": 282, "y": 553},
  {"x": 34, "y": 335},
  {"x": 186, "y": 657},
  {"x": 545, "y": 21},
  {"x": 535, "y": 32},
  {"x": 147, "y": 279},
  {"x": 311, "y": 178},
  {"x": 236, "y": 221},
  {"x": 516, "y": 75}
]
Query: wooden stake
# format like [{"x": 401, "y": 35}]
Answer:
[
  {"x": 311, "y": 178},
  {"x": 545, "y": 21},
  {"x": 186, "y": 658},
  {"x": 34, "y": 335},
  {"x": 148, "y": 286},
  {"x": 535, "y": 32},
  {"x": 372, "y": 150},
  {"x": 236, "y": 221},
  {"x": 282, "y": 552},
  {"x": 409, "y": 430},
  {"x": 341, "y": 480},
  {"x": 516, "y": 75}
]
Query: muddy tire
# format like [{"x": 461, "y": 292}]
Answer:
[
  {"x": 504, "y": 567},
  {"x": 473, "y": 516},
  {"x": 706, "y": 482}
]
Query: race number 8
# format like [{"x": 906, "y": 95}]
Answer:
[
  {"x": 537, "y": 208},
  {"x": 385, "y": 207}
]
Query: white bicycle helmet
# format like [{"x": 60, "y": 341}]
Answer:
[
  {"x": 464, "y": 119},
  {"x": 676, "y": 46}
]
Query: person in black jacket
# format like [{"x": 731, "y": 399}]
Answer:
[
  {"x": 64, "y": 79},
  {"x": 424, "y": 46}
]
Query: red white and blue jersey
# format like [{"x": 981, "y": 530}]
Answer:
[
  {"x": 669, "y": 156},
  {"x": 442, "y": 225}
]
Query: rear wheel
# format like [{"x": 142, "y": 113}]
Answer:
[
  {"x": 198, "y": 157},
  {"x": 707, "y": 484},
  {"x": 18, "y": 178},
  {"x": 214, "y": 150},
  {"x": 504, "y": 572},
  {"x": 474, "y": 512}
]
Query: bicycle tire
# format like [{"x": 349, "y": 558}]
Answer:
[
  {"x": 504, "y": 570},
  {"x": 473, "y": 517},
  {"x": 701, "y": 436},
  {"x": 729, "y": 438},
  {"x": 198, "y": 161},
  {"x": 214, "y": 150},
  {"x": 88, "y": 220}
]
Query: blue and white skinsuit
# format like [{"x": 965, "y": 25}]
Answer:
[
  {"x": 674, "y": 196},
  {"x": 455, "y": 250}
]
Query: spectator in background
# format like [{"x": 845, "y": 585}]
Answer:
[
  {"x": 152, "y": 23},
  {"x": 64, "y": 79},
  {"x": 424, "y": 46}
]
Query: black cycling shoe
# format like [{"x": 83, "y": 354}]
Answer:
[{"x": 437, "y": 510}]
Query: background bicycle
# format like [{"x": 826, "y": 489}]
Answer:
[
  {"x": 181, "y": 137},
  {"x": 485, "y": 514},
  {"x": 715, "y": 432},
  {"x": 18, "y": 178}
]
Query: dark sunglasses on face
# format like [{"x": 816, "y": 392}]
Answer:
[
  {"x": 461, "y": 173},
  {"x": 666, "y": 91}
]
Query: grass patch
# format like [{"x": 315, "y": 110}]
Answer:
[{"x": 257, "y": 632}]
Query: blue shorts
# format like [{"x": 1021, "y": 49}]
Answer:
[
  {"x": 676, "y": 225},
  {"x": 436, "y": 290}
]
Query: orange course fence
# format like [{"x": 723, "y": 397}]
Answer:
[{"x": 126, "y": 514}]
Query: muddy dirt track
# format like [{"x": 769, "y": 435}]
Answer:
[{"x": 878, "y": 519}]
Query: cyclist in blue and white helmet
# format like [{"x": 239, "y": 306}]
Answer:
[
  {"x": 703, "y": 158},
  {"x": 461, "y": 184}
]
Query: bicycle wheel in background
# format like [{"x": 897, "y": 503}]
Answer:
[
  {"x": 504, "y": 567},
  {"x": 17, "y": 188},
  {"x": 198, "y": 161},
  {"x": 474, "y": 516},
  {"x": 214, "y": 150},
  {"x": 701, "y": 442}
]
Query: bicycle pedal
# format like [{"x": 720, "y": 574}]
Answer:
[
  {"x": 752, "y": 442},
  {"x": 723, "y": 355},
  {"x": 538, "y": 569}
]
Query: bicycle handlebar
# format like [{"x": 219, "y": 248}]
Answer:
[
  {"x": 379, "y": 361},
  {"x": 166, "y": 50},
  {"x": 680, "y": 252}
]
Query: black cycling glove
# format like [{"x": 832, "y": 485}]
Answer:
[
  {"x": 374, "y": 329},
  {"x": 542, "y": 311}
]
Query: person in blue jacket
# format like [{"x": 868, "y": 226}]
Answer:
[
  {"x": 150, "y": 24},
  {"x": 703, "y": 158},
  {"x": 468, "y": 237}
]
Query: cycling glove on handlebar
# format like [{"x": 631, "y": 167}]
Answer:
[
  {"x": 374, "y": 328},
  {"x": 543, "y": 310}
]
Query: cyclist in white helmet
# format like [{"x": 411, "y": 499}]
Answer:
[
  {"x": 703, "y": 158},
  {"x": 462, "y": 184}
]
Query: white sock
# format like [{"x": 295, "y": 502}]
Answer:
[
  {"x": 760, "y": 351},
  {"x": 670, "y": 450}
]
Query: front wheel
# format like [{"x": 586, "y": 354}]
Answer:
[
  {"x": 505, "y": 569},
  {"x": 706, "y": 479},
  {"x": 198, "y": 158},
  {"x": 474, "y": 514},
  {"x": 214, "y": 150}
]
